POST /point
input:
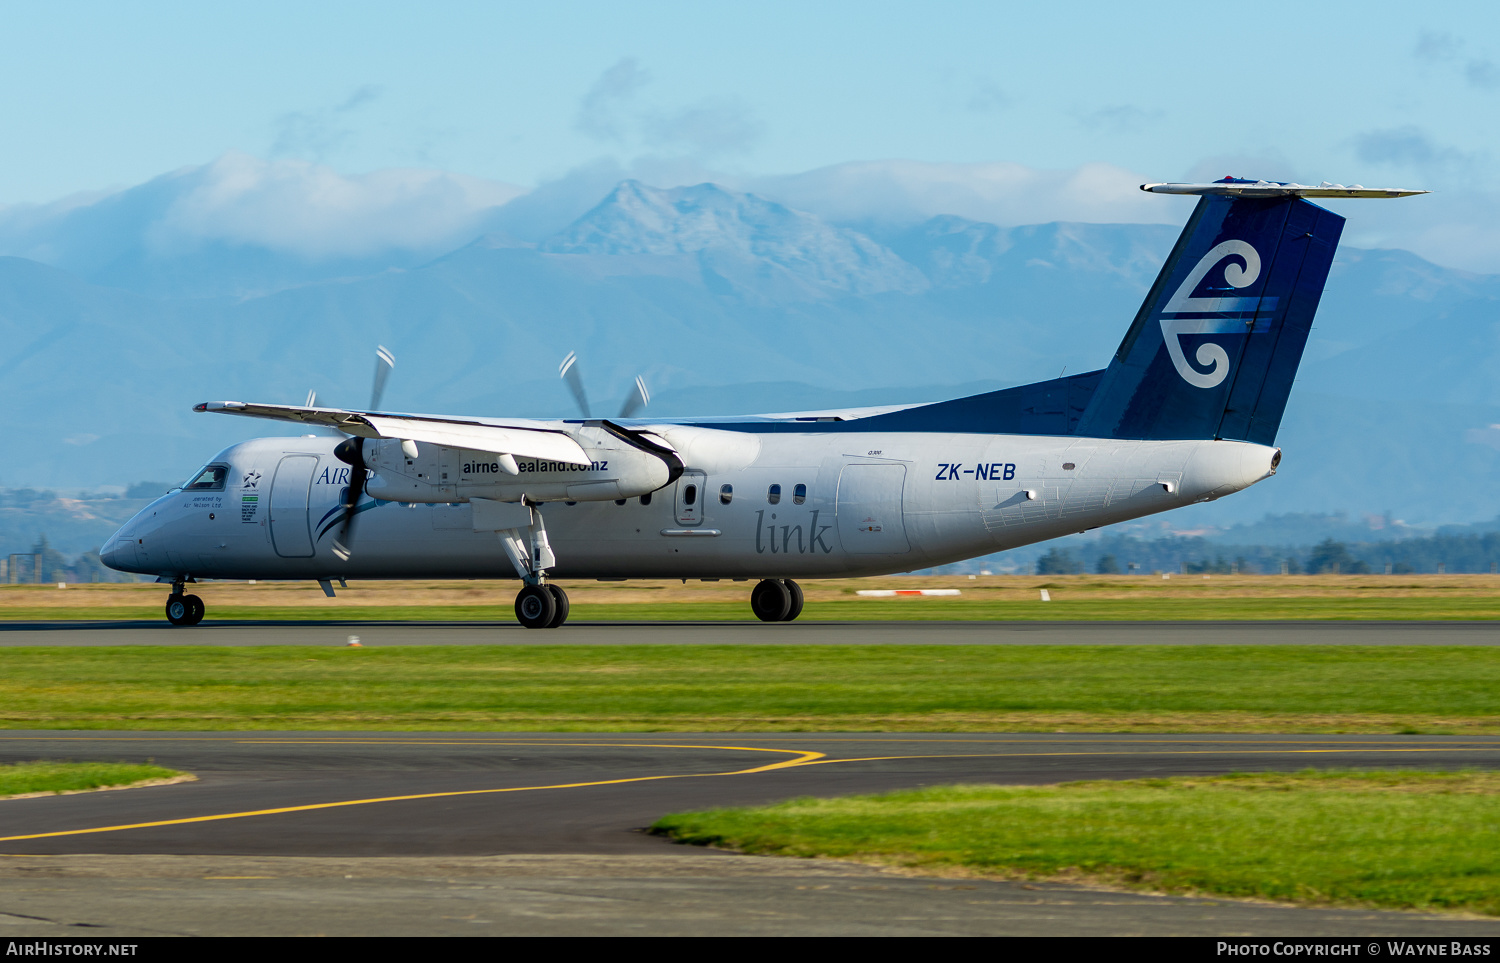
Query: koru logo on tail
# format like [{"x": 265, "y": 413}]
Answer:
[{"x": 1185, "y": 314}]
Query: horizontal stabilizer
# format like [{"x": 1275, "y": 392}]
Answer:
[{"x": 1244, "y": 187}]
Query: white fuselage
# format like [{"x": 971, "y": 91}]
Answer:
[{"x": 873, "y": 504}]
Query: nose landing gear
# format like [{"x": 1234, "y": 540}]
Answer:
[
  {"x": 183, "y": 609},
  {"x": 776, "y": 600}
]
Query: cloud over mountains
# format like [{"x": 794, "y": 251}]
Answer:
[
  {"x": 282, "y": 211},
  {"x": 284, "y": 207},
  {"x": 256, "y": 225}
]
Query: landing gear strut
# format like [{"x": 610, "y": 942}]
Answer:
[
  {"x": 183, "y": 609},
  {"x": 539, "y": 604},
  {"x": 776, "y": 600}
]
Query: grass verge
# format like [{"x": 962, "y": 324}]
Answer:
[
  {"x": 685, "y": 688},
  {"x": 25, "y": 778},
  {"x": 1404, "y": 840},
  {"x": 984, "y": 598}
]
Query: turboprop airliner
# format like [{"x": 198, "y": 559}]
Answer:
[{"x": 1187, "y": 411}]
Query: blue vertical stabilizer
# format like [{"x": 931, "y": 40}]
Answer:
[{"x": 1214, "y": 349}]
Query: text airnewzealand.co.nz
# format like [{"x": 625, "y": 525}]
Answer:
[{"x": 490, "y": 467}]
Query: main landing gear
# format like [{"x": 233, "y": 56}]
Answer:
[
  {"x": 776, "y": 600},
  {"x": 543, "y": 606},
  {"x": 539, "y": 604},
  {"x": 183, "y": 609}
]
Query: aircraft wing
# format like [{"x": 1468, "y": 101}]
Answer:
[{"x": 526, "y": 439}]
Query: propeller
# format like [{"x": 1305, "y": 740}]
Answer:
[
  {"x": 384, "y": 362},
  {"x": 639, "y": 398},
  {"x": 351, "y": 451},
  {"x": 568, "y": 371}
]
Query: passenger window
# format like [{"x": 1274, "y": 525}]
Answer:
[
  {"x": 726, "y": 494},
  {"x": 774, "y": 495},
  {"x": 690, "y": 496},
  {"x": 799, "y": 494},
  {"x": 210, "y": 479}
]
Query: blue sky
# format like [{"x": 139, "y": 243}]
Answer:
[{"x": 103, "y": 96}]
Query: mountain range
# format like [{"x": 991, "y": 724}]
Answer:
[{"x": 115, "y": 320}]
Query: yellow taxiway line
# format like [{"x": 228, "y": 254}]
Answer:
[{"x": 801, "y": 758}]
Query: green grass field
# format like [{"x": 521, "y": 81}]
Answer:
[
  {"x": 763, "y": 688},
  {"x": 1405, "y": 840},
  {"x": 986, "y": 598},
  {"x": 50, "y": 777}
]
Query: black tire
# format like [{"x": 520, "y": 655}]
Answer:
[
  {"x": 796, "y": 609},
  {"x": 770, "y": 600},
  {"x": 179, "y": 610},
  {"x": 535, "y": 607},
  {"x": 560, "y": 598},
  {"x": 195, "y": 609}
]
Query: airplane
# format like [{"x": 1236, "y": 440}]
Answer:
[{"x": 1186, "y": 411}]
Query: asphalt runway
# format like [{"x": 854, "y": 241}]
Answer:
[
  {"x": 428, "y": 833},
  {"x": 753, "y": 633}
]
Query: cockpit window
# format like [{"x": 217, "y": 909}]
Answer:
[{"x": 210, "y": 479}]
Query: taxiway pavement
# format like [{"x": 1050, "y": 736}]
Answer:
[{"x": 421, "y": 833}]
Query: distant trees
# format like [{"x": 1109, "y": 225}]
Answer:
[
  {"x": 1058, "y": 562},
  {"x": 1458, "y": 552},
  {"x": 45, "y": 564},
  {"x": 1333, "y": 557},
  {"x": 53, "y": 564}
]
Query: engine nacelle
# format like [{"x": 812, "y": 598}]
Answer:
[{"x": 617, "y": 469}]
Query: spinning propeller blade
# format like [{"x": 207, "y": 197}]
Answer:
[
  {"x": 351, "y": 451},
  {"x": 384, "y": 362},
  {"x": 568, "y": 371},
  {"x": 639, "y": 398}
]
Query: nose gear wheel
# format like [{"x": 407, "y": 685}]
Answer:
[{"x": 184, "y": 609}]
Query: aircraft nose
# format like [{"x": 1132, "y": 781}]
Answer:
[{"x": 119, "y": 553}]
